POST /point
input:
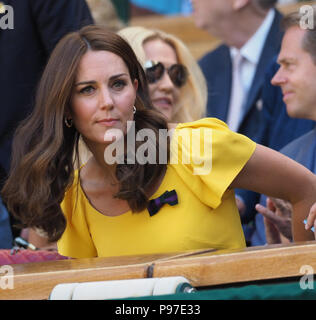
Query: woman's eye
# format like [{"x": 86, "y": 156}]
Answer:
[
  {"x": 119, "y": 84},
  {"x": 87, "y": 90}
]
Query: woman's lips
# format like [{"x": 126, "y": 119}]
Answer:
[
  {"x": 107, "y": 122},
  {"x": 165, "y": 103}
]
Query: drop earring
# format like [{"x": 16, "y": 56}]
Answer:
[
  {"x": 134, "y": 109},
  {"x": 68, "y": 122}
]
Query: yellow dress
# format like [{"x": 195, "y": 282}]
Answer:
[{"x": 205, "y": 217}]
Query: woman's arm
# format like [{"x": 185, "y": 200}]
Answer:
[{"x": 273, "y": 174}]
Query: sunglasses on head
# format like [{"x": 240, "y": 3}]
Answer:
[{"x": 154, "y": 70}]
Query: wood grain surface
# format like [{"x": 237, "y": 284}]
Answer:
[{"x": 202, "y": 268}]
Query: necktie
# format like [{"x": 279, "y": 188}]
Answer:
[
  {"x": 169, "y": 197},
  {"x": 237, "y": 94}
]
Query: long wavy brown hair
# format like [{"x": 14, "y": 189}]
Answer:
[{"x": 43, "y": 164}]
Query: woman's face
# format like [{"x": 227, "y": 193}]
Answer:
[
  {"x": 103, "y": 96},
  {"x": 163, "y": 93}
]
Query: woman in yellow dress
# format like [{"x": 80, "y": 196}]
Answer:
[{"x": 149, "y": 187}]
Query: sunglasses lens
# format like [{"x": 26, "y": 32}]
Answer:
[
  {"x": 178, "y": 74},
  {"x": 154, "y": 72}
]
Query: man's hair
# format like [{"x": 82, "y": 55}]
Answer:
[
  {"x": 266, "y": 4},
  {"x": 309, "y": 40}
]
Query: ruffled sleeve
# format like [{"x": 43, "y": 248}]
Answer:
[{"x": 208, "y": 156}]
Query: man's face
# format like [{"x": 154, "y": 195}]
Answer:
[
  {"x": 212, "y": 15},
  {"x": 296, "y": 76}
]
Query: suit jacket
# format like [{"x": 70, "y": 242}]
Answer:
[
  {"x": 217, "y": 68},
  {"x": 24, "y": 50},
  {"x": 5, "y": 228}
]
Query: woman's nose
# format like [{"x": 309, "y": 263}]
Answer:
[
  {"x": 105, "y": 99},
  {"x": 166, "y": 83}
]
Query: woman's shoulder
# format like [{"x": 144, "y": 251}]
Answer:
[
  {"x": 204, "y": 124},
  {"x": 212, "y": 123},
  {"x": 203, "y": 129}
]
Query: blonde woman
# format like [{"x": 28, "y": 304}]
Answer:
[{"x": 176, "y": 84}]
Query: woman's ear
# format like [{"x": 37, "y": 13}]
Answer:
[
  {"x": 67, "y": 113},
  {"x": 135, "y": 84}
]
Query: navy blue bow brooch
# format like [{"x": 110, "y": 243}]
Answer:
[{"x": 169, "y": 197}]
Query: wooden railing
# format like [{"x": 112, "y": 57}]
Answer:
[{"x": 202, "y": 268}]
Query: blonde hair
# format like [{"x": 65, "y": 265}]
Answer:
[{"x": 193, "y": 95}]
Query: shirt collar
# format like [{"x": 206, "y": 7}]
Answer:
[{"x": 251, "y": 50}]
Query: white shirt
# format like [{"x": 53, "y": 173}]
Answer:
[{"x": 251, "y": 51}]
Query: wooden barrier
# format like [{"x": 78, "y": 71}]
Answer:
[
  {"x": 262, "y": 263},
  {"x": 202, "y": 268}
]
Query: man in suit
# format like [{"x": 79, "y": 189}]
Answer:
[
  {"x": 37, "y": 26},
  {"x": 249, "y": 29},
  {"x": 296, "y": 78},
  {"x": 276, "y": 130}
]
